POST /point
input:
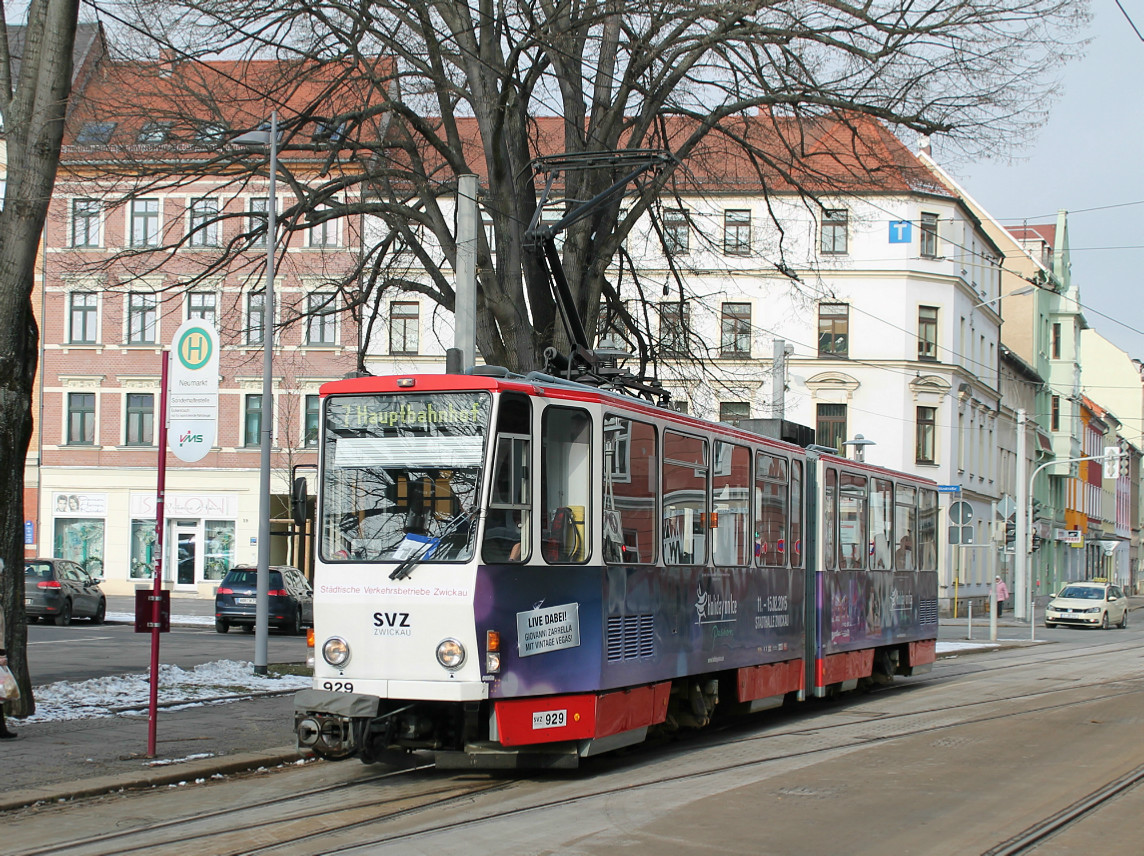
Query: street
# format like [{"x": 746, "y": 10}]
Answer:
[
  {"x": 82, "y": 650},
  {"x": 922, "y": 767}
]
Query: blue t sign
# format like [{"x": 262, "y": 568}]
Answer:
[{"x": 900, "y": 232}]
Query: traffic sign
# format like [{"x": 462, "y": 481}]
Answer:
[
  {"x": 949, "y": 488},
  {"x": 192, "y": 393}
]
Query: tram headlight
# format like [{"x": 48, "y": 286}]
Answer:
[
  {"x": 336, "y": 651},
  {"x": 451, "y": 654}
]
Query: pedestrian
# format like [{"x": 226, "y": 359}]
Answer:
[
  {"x": 5, "y": 734},
  {"x": 1002, "y": 594}
]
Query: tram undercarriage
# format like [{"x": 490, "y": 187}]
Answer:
[{"x": 503, "y": 734}]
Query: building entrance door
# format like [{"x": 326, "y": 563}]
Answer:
[{"x": 185, "y": 547}]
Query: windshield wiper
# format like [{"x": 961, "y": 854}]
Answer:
[{"x": 406, "y": 567}]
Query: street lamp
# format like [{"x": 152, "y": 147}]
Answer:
[
  {"x": 1017, "y": 292},
  {"x": 859, "y": 443},
  {"x": 262, "y": 608}
]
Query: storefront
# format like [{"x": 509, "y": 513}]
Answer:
[{"x": 199, "y": 540}]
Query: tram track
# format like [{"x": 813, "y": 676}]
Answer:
[
  {"x": 296, "y": 823},
  {"x": 1030, "y": 838}
]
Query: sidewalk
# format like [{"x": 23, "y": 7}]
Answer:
[{"x": 54, "y": 761}]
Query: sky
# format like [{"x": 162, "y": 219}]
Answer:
[{"x": 1088, "y": 160}]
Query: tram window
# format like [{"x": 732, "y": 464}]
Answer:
[
  {"x": 794, "y": 542},
  {"x": 630, "y": 488},
  {"x": 508, "y": 519},
  {"x": 684, "y": 499},
  {"x": 770, "y": 510},
  {"x": 830, "y": 520},
  {"x": 731, "y": 505},
  {"x": 401, "y": 475},
  {"x": 927, "y": 531},
  {"x": 905, "y": 526},
  {"x": 881, "y": 525},
  {"x": 852, "y": 522},
  {"x": 566, "y": 485}
]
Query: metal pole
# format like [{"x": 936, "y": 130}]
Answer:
[
  {"x": 1024, "y": 513},
  {"x": 778, "y": 380},
  {"x": 157, "y": 589},
  {"x": 262, "y": 607},
  {"x": 465, "y": 314}
]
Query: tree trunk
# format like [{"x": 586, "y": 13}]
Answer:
[{"x": 33, "y": 119}]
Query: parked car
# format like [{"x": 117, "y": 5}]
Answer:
[
  {"x": 291, "y": 603},
  {"x": 60, "y": 589},
  {"x": 1088, "y": 603}
]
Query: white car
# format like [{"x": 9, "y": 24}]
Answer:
[{"x": 1088, "y": 603}]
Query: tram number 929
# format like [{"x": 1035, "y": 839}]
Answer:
[
  {"x": 338, "y": 686},
  {"x": 549, "y": 719}
]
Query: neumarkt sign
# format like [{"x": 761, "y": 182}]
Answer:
[{"x": 192, "y": 390}]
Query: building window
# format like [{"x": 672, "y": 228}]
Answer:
[
  {"x": 321, "y": 326},
  {"x": 737, "y": 232},
  {"x": 830, "y": 428},
  {"x": 86, "y": 216},
  {"x": 140, "y": 419},
  {"x": 324, "y": 233},
  {"x": 258, "y": 220},
  {"x": 927, "y": 332},
  {"x": 834, "y": 225},
  {"x": 81, "y": 419},
  {"x": 672, "y": 329},
  {"x": 204, "y": 223},
  {"x": 834, "y": 329},
  {"x": 255, "y": 317},
  {"x": 142, "y": 319},
  {"x": 84, "y": 318},
  {"x": 929, "y": 235},
  {"x": 676, "y": 231},
  {"x": 144, "y": 223},
  {"x": 252, "y": 421},
  {"x": 1055, "y": 416},
  {"x": 203, "y": 305},
  {"x": 310, "y": 429},
  {"x": 404, "y": 323},
  {"x": 1056, "y": 341},
  {"x": 735, "y": 338},
  {"x": 926, "y": 435},
  {"x": 733, "y": 412}
]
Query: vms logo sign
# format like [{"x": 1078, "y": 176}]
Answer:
[{"x": 188, "y": 437}]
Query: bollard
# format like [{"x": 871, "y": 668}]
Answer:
[{"x": 969, "y": 620}]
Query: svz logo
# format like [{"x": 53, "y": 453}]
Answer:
[
  {"x": 391, "y": 619},
  {"x": 190, "y": 438}
]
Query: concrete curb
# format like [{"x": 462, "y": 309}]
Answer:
[{"x": 151, "y": 777}]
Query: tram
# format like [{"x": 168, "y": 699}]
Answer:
[{"x": 525, "y": 570}]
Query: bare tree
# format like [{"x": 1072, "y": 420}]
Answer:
[
  {"x": 35, "y": 82},
  {"x": 441, "y": 89}
]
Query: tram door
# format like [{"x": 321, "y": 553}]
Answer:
[{"x": 508, "y": 527}]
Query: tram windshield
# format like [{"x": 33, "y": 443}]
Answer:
[{"x": 402, "y": 475}]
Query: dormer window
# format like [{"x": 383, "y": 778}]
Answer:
[
  {"x": 330, "y": 130},
  {"x": 95, "y": 133},
  {"x": 210, "y": 133},
  {"x": 154, "y": 132}
]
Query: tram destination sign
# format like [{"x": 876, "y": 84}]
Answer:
[{"x": 192, "y": 390}]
